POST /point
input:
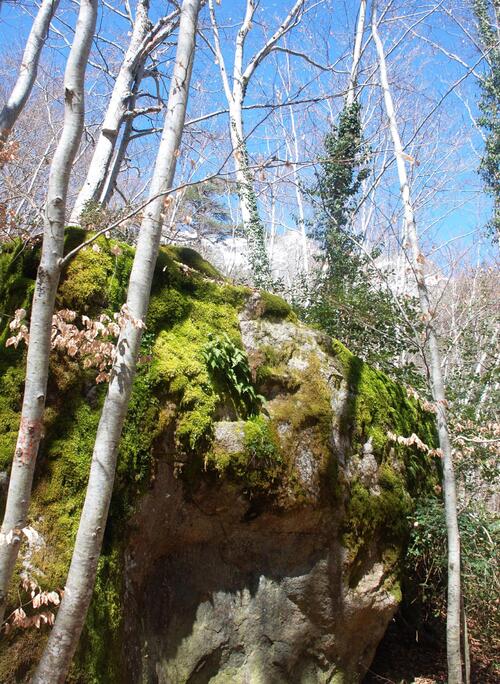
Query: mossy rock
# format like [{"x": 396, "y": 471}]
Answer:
[{"x": 173, "y": 409}]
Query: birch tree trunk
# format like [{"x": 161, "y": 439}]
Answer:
[
  {"x": 356, "y": 57},
  {"x": 145, "y": 38},
  {"x": 47, "y": 280},
  {"x": 252, "y": 224},
  {"x": 109, "y": 184},
  {"x": 437, "y": 384},
  {"x": 28, "y": 70},
  {"x": 64, "y": 637},
  {"x": 103, "y": 153}
]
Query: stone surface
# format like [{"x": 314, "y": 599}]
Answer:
[
  {"x": 215, "y": 597},
  {"x": 247, "y": 541},
  {"x": 226, "y": 585}
]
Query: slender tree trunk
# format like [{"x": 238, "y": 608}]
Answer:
[
  {"x": 103, "y": 153},
  {"x": 252, "y": 224},
  {"x": 356, "y": 57},
  {"x": 47, "y": 280},
  {"x": 235, "y": 95},
  {"x": 298, "y": 193},
  {"x": 28, "y": 70},
  {"x": 109, "y": 183},
  {"x": 437, "y": 385},
  {"x": 79, "y": 586}
]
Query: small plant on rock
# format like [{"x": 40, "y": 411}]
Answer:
[{"x": 230, "y": 365}]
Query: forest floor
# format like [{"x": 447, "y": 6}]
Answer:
[{"x": 401, "y": 659}]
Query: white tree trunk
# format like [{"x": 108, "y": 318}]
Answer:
[
  {"x": 356, "y": 57},
  {"x": 79, "y": 586},
  {"x": 252, "y": 224},
  {"x": 437, "y": 385},
  {"x": 109, "y": 185},
  {"x": 29, "y": 68},
  {"x": 101, "y": 159},
  {"x": 47, "y": 281}
]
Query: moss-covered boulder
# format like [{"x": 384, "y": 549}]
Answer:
[{"x": 261, "y": 507}]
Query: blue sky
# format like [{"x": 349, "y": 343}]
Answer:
[{"x": 447, "y": 147}]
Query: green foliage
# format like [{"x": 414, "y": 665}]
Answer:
[
  {"x": 230, "y": 364},
  {"x": 480, "y": 553},
  {"x": 339, "y": 182},
  {"x": 349, "y": 300},
  {"x": 485, "y": 11},
  {"x": 255, "y": 233},
  {"x": 204, "y": 211}
]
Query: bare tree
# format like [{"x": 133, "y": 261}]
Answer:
[
  {"x": 49, "y": 271},
  {"x": 436, "y": 377},
  {"x": 144, "y": 39},
  {"x": 29, "y": 67},
  {"x": 64, "y": 637},
  {"x": 235, "y": 94}
]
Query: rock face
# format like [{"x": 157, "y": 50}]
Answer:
[
  {"x": 251, "y": 589},
  {"x": 249, "y": 541}
]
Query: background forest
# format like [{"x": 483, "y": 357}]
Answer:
[{"x": 343, "y": 155}]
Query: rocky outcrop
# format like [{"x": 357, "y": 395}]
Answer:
[
  {"x": 235, "y": 584},
  {"x": 261, "y": 506}
]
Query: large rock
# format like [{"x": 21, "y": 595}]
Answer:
[
  {"x": 280, "y": 585},
  {"x": 247, "y": 542}
]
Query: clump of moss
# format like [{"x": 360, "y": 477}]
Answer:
[
  {"x": 180, "y": 364},
  {"x": 166, "y": 307},
  {"x": 382, "y": 516},
  {"x": 194, "y": 260},
  {"x": 376, "y": 405},
  {"x": 259, "y": 466},
  {"x": 97, "y": 660},
  {"x": 11, "y": 387},
  {"x": 275, "y": 308}
]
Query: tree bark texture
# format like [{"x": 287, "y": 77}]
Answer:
[
  {"x": 118, "y": 104},
  {"x": 47, "y": 280},
  {"x": 64, "y": 637},
  {"x": 29, "y": 67},
  {"x": 437, "y": 384}
]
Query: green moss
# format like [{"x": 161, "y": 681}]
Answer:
[
  {"x": 260, "y": 464},
  {"x": 97, "y": 660},
  {"x": 382, "y": 516},
  {"x": 17, "y": 272},
  {"x": 376, "y": 405},
  {"x": 165, "y": 308},
  {"x": 275, "y": 307},
  {"x": 194, "y": 260},
  {"x": 180, "y": 364},
  {"x": 11, "y": 387},
  {"x": 83, "y": 286}
]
